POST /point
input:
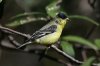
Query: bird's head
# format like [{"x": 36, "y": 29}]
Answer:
[{"x": 62, "y": 19}]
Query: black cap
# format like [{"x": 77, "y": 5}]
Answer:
[{"x": 61, "y": 15}]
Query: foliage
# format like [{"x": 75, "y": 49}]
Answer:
[
  {"x": 88, "y": 62},
  {"x": 68, "y": 48},
  {"x": 80, "y": 40},
  {"x": 67, "y": 42},
  {"x": 25, "y": 18}
]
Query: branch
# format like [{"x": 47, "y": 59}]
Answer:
[
  {"x": 10, "y": 31},
  {"x": 13, "y": 41},
  {"x": 90, "y": 31},
  {"x": 68, "y": 56},
  {"x": 84, "y": 54}
]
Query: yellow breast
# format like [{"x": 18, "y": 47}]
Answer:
[{"x": 50, "y": 38}]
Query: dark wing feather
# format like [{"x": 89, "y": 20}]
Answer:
[{"x": 41, "y": 33}]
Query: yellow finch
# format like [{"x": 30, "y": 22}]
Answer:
[{"x": 50, "y": 33}]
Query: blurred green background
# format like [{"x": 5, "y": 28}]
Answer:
[{"x": 78, "y": 27}]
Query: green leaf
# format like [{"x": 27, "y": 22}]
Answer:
[
  {"x": 80, "y": 40},
  {"x": 53, "y": 8},
  {"x": 97, "y": 42},
  {"x": 25, "y": 18},
  {"x": 67, "y": 48},
  {"x": 84, "y": 18},
  {"x": 88, "y": 62}
]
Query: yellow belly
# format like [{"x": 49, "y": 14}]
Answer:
[{"x": 49, "y": 39}]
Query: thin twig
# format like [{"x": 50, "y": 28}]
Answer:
[
  {"x": 68, "y": 56},
  {"x": 46, "y": 56},
  {"x": 84, "y": 54},
  {"x": 9, "y": 31},
  {"x": 13, "y": 41},
  {"x": 91, "y": 31}
]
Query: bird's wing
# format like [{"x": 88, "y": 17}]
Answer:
[{"x": 41, "y": 33}]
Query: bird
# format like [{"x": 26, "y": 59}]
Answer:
[{"x": 50, "y": 33}]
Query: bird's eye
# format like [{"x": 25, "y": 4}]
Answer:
[{"x": 62, "y": 15}]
